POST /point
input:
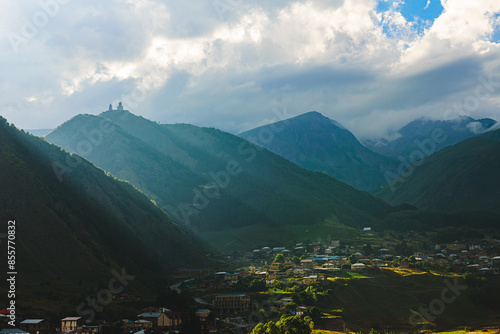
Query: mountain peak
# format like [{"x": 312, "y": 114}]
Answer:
[
  {"x": 316, "y": 142},
  {"x": 316, "y": 117},
  {"x": 312, "y": 113}
]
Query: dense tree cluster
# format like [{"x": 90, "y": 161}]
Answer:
[{"x": 286, "y": 325}]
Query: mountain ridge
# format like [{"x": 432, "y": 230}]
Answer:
[
  {"x": 78, "y": 217},
  {"x": 317, "y": 143},
  {"x": 454, "y": 131},
  {"x": 460, "y": 177},
  {"x": 262, "y": 188}
]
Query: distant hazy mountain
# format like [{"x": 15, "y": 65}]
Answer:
[
  {"x": 464, "y": 176},
  {"x": 317, "y": 143},
  {"x": 236, "y": 195},
  {"x": 75, "y": 224},
  {"x": 429, "y": 136}
]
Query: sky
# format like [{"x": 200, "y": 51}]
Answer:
[{"x": 234, "y": 65}]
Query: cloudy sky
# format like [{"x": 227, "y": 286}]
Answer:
[{"x": 234, "y": 65}]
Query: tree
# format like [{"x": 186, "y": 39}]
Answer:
[
  {"x": 295, "y": 325},
  {"x": 352, "y": 259},
  {"x": 280, "y": 258},
  {"x": 307, "y": 297},
  {"x": 286, "y": 325},
  {"x": 296, "y": 260},
  {"x": 257, "y": 285}
]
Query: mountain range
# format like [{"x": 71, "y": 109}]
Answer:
[
  {"x": 231, "y": 192},
  {"x": 237, "y": 195},
  {"x": 317, "y": 143},
  {"x": 410, "y": 137}
]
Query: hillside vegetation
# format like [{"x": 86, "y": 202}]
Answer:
[
  {"x": 75, "y": 224},
  {"x": 216, "y": 183},
  {"x": 461, "y": 177}
]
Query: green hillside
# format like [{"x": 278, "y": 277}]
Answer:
[
  {"x": 222, "y": 185},
  {"x": 393, "y": 302},
  {"x": 461, "y": 177},
  {"x": 75, "y": 224},
  {"x": 317, "y": 143}
]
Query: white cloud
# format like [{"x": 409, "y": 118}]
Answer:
[{"x": 372, "y": 71}]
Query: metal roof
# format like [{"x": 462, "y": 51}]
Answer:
[
  {"x": 32, "y": 321},
  {"x": 13, "y": 331},
  {"x": 150, "y": 314}
]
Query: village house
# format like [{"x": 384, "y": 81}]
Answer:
[
  {"x": 203, "y": 314},
  {"x": 419, "y": 255},
  {"x": 301, "y": 310},
  {"x": 89, "y": 329},
  {"x": 220, "y": 276},
  {"x": 274, "y": 267},
  {"x": 232, "y": 303},
  {"x": 298, "y": 272},
  {"x": 134, "y": 326},
  {"x": 276, "y": 275},
  {"x": 70, "y": 324},
  {"x": 310, "y": 279},
  {"x": 162, "y": 320},
  {"x": 358, "y": 266},
  {"x": 231, "y": 277},
  {"x": 261, "y": 274},
  {"x": 495, "y": 264},
  {"x": 329, "y": 266},
  {"x": 34, "y": 325},
  {"x": 13, "y": 331},
  {"x": 173, "y": 320},
  {"x": 153, "y": 317},
  {"x": 307, "y": 264}
]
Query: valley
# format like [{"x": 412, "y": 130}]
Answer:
[
  {"x": 228, "y": 235},
  {"x": 250, "y": 167}
]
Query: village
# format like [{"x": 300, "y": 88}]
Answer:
[{"x": 270, "y": 282}]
